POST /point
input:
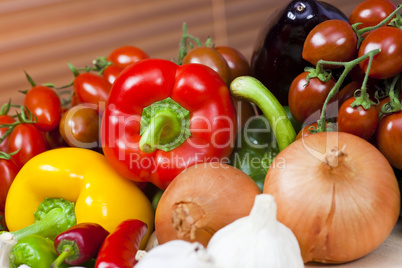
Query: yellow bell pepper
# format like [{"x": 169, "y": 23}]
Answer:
[{"x": 83, "y": 177}]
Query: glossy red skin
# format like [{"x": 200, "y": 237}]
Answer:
[
  {"x": 5, "y": 119},
  {"x": 111, "y": 72},
  {"x": 120, "y": 247},
  {"x": 45, "y": 104},
  {"x": 91, "y": 88},
  {"x": 211, "y": 58},
  {"x": 88, "y": 237},
  {"x": 371, "y": 12},
  {"x": 306, "y": 100},
  {"x": 8, "y": 171},
  {"x": 28, "y": 139},
  {"x": 196, "y": 88},
  {"x": 388, "y": 62},
  {"x": 126, "y": 55},
  {"x": 388, "y": 138},
  {"x": 331, "y": 40},
  {"x": 357, "y": 120},
  {"x": 237, "y": 62}
]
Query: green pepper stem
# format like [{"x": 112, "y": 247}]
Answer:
[
  {"x": 253, "y": 90},
  {"x": 68, "y": 251},
  {"x": 164, "y": 126},
  {"x": 53, "y": 216},
  {"x": 50, "y": 220}
]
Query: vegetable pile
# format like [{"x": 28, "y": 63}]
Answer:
[{"x": 205, "y": 160}]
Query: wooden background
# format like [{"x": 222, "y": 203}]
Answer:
[{"x": 42, "y": 36}]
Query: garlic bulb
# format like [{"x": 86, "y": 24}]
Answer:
[
  {"x": 7, "y": 241},
  {"x": 257, "y": 240},
  {"x": 175, "y": 254}
]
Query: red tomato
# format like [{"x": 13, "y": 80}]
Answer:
[
  {"x": 357, "y": 120},
  {"x": 8, "y": 171},
  {"x": 389, "y": 137},
  {"x": 111, "y": 72},
  {"x": 237, "y": 62},
  {"x": 126, "y": 55},
  {"x": 5, "y": 119},
  {"x": 306, "y": 99},
  {"x": 331, "y": 40},
  {"x": 28, "y": 139},
  {"x": 91, "y": 88},
  {"x": 45, "y": 104},
  {"x": 388, "y": 62},
  {"x": 371, "y": 12}
]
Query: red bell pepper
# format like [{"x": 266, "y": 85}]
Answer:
[
  {"x": 120, "y": 247},
  {"x": 162, "y": 117}
]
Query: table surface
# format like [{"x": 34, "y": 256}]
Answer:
[{"x": 387, "y": 255}]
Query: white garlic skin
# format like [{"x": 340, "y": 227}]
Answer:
[
  {"x": 257, "y": 240},
  {"x": 176, "y": 254}
]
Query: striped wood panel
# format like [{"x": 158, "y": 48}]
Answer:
[{"x": 42, "y": 36}]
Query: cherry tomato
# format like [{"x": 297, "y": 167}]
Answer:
[
  {"x": 28, "y": 139},
  {"x": 211, "y": 58},
  {"x": 308, "y": 98},
  {"x": 237, "y": 62},
  {"x": 111, "y": 72},
  {"x": 5, "y": 119},
  {"x": 92, "y": 88},
  {"x": 371, "y": 12},
  {"x": 8, "y": 171},
  {"x": 388, "y": 62},
  {"x": 126, "y": 55},
  {"x": 79, "y": 127},
  {"x": 389, "y": 137},
  {"x": 331, "y": 40},
  {"x": 357, "y": 120},
  {"x": 45, "y": 104}
]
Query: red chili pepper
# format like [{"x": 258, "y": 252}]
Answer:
[
  {"x": 161, "y": 118},
  {"x": 79, "y": 243},
  {"x": 121, "y": 246}
]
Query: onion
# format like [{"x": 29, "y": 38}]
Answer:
[
  {"x": 201, "y": 200},
  {"x": 337, "y": 193}
]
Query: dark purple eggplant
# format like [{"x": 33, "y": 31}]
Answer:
[{"x": 277, "y": 56}]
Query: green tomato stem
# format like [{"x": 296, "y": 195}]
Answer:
[
  {"x": 348, "y": 67},
  {"x": 251, "y": 89}
]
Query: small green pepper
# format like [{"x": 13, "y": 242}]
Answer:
[
  {"x": 35, "y": 251},
  {"x": 255, "y": 149},
  {"x": 262, "y": 137}
]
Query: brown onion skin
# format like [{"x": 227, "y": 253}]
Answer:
[
  {"x": 216, "y": 192},
  {"x": 341, "y": 213}
]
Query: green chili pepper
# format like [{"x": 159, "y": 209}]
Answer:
[
  {"x": 253, "y": 90},
  {"x": 262, "y": 137},
  {"x": 35, "y": 251},
  {"x": 256, "y": 147}
]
